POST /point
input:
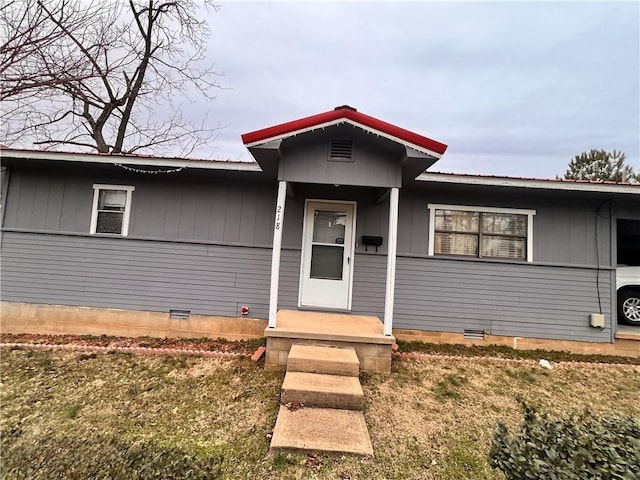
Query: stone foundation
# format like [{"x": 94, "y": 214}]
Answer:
[
  {"x": 374, "y": 357},
  {"x": 626, "y": 347},
  {"x": 65, "y": 320}
]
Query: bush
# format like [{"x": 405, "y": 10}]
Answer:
[
  {"x": 99, "y": 458},
  {"x": 580, "y": 446}
]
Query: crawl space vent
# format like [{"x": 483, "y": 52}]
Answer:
[
  {"x": 341, "y": 150},
  {"x": 180, "y": 314},
  {"x": 474, "y": 334}
]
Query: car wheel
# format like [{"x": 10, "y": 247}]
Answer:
[{"x": 629, "y": 307}]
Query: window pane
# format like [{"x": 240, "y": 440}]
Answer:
[
  {"x": 455, "y": 220},
  {"x": 456, "y": 244},
  {"x": 329, "y": 227},
  {"x": 503, "y": 247},
  {"x": 112, "y": 200},
  {"x": 109, "y": 222},
  {"x": 504, "y": 223},
  {"x": 326, "y": 261}
]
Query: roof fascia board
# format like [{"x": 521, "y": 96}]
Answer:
[
  {"x": 342, "y": 120},
  {"x": 125, "y": 160},
  {"x": 534, "y": 184}
]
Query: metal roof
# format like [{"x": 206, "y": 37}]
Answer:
[
  {"x": 528, "y": 182},
  {"x": 128, "y": 159}
]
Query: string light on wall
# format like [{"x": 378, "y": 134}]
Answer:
[{"x": 152, "y": 172}]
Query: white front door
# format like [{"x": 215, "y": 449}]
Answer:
[{"x": 327, "y": 255}]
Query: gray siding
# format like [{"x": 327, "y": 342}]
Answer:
[
  {"x": 181, "y": 206},
  {"x": 370, "y": 274},
  {"x": 431, "y": 294},
  {"x": 372, "y": 217},
  {"x": 289, "y": 279},
  {"x": 502, "y": 299},
  {"x": 135, "y": 274},
  {"x": 453, "y": 295},
  {"x": 564, "y": 227},
  {"x": 201, "y": 241},
  {"x": 307, "y": 160}
]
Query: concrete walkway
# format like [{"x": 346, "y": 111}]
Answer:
[{"x": 322, "y": 404}]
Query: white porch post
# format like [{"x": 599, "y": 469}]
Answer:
[
  {"x": 275, "y": 254},
  {"x": 391, "y": 260}
]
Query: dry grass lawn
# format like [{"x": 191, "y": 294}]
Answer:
[{"x": 429, "y": 419}]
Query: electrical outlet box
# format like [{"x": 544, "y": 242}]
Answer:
[{"x": 597, "y": 320}]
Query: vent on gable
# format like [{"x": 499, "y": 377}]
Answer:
[
  {"x": 341, "y": 150},
  {"x": 474, "y": 334},
  {"x": 180, "y": 314}
]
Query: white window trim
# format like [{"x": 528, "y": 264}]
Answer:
[
  {"x": 432, "y": 207},
  {"x": 127, "y": 207}
]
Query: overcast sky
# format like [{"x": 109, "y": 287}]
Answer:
[{"x": 513, "y": 88}]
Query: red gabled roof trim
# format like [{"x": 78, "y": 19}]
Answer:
[{"x": 347, "y": 113}]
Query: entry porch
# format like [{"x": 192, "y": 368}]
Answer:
[{"x": 363, "y": 333}]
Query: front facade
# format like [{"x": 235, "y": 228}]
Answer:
[{"x": 335, "y": 215}]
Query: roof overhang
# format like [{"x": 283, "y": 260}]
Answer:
[
  {"x": 544, "y": 184},
  {"x": 140, "y": 160},
  {"x": 345, "y": 115}
]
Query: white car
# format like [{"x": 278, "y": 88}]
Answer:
[{"x": 628, "y": 287}]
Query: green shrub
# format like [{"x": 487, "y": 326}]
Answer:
[
  {"x": 99, "y": 458},
  {"x": 580, "y": 446}
]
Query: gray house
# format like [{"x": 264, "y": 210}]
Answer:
[{"x": 337, "y": 214}]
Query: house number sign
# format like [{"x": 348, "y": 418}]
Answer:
[{"x": 278, "y": 217}]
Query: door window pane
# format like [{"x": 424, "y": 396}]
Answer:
[
  {"x": 326, "y": 261},
  {"x": 329, "y": 227}
]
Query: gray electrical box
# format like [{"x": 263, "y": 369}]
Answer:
[{"x": 597, "y": 320}]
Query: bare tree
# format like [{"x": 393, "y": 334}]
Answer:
[{"x": 106, "y": 76}]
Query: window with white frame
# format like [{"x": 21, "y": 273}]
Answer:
[
  {"x": 482, "y": 232},
  {"x": 111, "y": 209}
]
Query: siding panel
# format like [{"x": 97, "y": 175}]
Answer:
[
  {"x": 135, "y": 274},
  {"x": 503, "y": 299}
]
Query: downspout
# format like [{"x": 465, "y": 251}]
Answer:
[{"x": 613, "y": 224}]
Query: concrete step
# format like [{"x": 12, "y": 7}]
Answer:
[
  {"x": 321, "y": 430},
  {"x": 320, "y": 390},
  {"x": 326, "y": 360}
]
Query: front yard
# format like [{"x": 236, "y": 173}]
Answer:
[{"x": 430, "y": 419}]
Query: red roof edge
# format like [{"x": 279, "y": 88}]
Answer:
[{"x": 348, "y": 113}]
